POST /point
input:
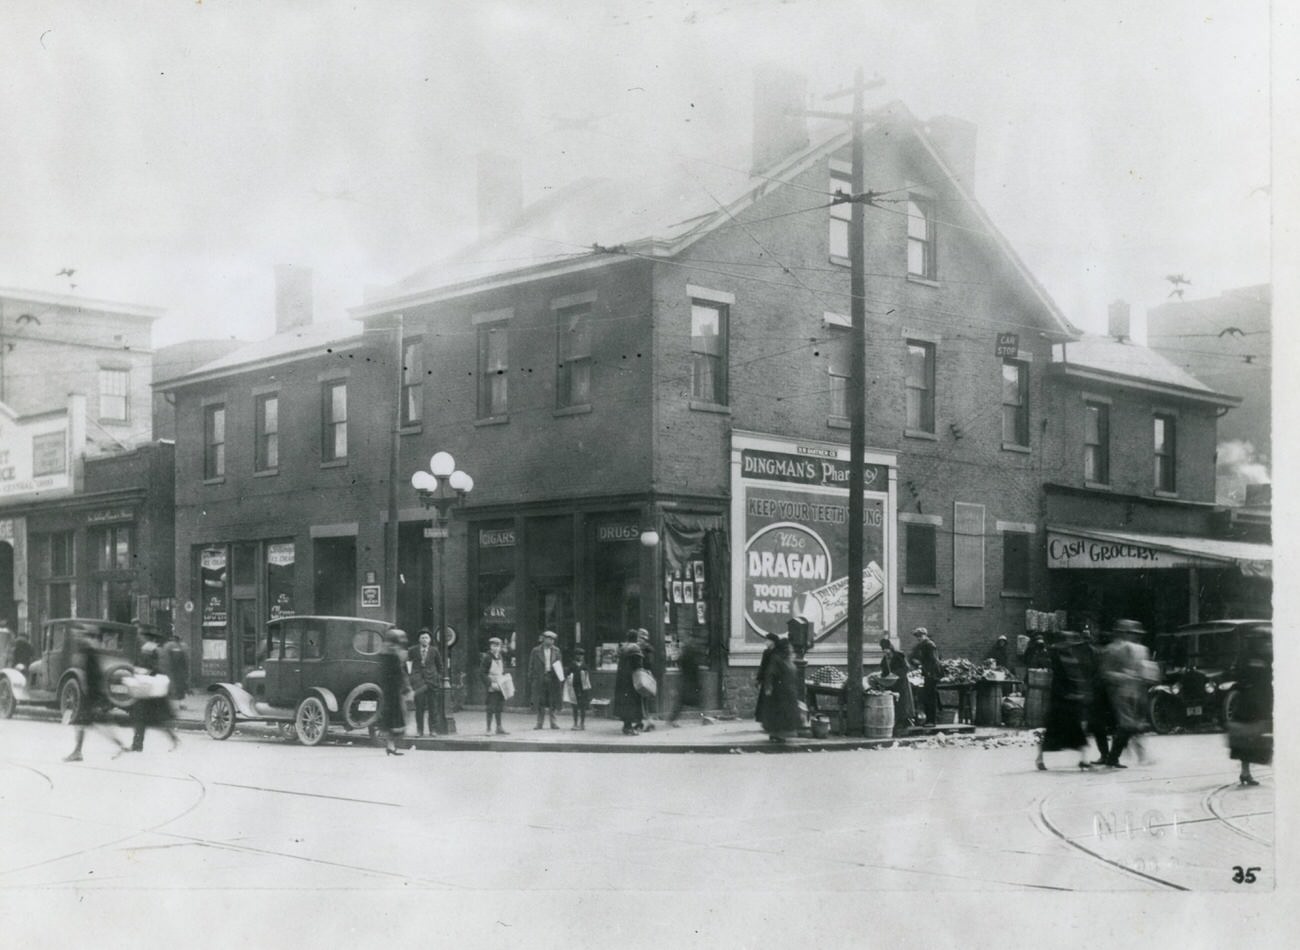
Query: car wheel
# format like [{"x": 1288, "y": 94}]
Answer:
[
  {"x": 7, "y": 702},
  {"x": 219, "y": 717},
  {"x": 117, "y": 691},
  {"x": 356, "y": 717},
  {"x": 70, "y": 700},
  {"x": 1164, "y": 713},
  {"x": 311, "y": 721}
]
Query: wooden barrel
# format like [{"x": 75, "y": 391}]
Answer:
[
  {"x": 988, "y": 703},
  {"x": 1040, "y": 681},
  {"x": 880, "y": 715}
]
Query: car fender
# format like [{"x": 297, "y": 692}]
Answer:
[
  {"x": 17, "y": 683},
  {"x": 326, "y": 696},
  {"x": 239, "y": 697},
  {"x": 1160, "y": 690}
]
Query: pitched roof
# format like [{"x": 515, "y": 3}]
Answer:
[
  {"x": 1094, "y": 354},
  {"x": 283, "y": 347}
]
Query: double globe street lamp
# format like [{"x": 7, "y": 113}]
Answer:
[{"x": 442, "y": 488}]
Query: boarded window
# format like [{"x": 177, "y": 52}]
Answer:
[
  {"x": 921, "y": 566},
  {"x": 967, "y": 555},
  {"x": 1015, "y": 562}
]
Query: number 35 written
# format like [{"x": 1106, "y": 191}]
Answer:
[{"x": 1242, "y": 875}]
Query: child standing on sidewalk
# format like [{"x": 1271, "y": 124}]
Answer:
[{"x": 577, "y": 689}]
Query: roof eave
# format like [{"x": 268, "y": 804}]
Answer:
[
  {"x": 1090, "y": 374},
  {"x": 282, "y": 359}
]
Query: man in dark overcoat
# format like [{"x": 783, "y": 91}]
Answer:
[
  {"x": 426, "y": 679},
  {"x": 543, "y": 684},
  {"x": 925, "y": 655}
]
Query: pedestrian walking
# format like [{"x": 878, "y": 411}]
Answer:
[
  {"x": 763, "y": 662},
  {"x": 497, "y": 682},
  {"x": 86, "y": 655},
  {"x": 894, "y": 665},
  {"x": 577, "y": 688},
  {"x": 627, "y": 701},
  {"x": 151, "y": 712},
  {"x": 1250, "y": 719},
  {"x": 925, "y": 655},
  {"x": 545, "y": 678},
  {"x": 396, "y": 689},
  {"x": 1067, "y": 701},
  {"x": 690, "y": 689},
  {"x": 1124, "y": 666},
  {"x": 1099, "y": 715},
  {"x": 426, "y": 680},
  {"x": 781, "y": 716},
  {"x": 649, "y": 702}
]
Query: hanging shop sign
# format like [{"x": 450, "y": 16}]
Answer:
[{"x": 790, "y": 504}]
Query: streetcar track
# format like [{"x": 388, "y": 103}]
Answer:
[
  {"x": 48, "y": 781},
  {"x": 1208, "y": 803},
  {"x": 1047, "y": 823}
]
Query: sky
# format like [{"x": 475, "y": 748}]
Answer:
[{"x": 174, "y": 153}]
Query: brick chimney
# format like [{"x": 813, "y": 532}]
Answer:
[
  {"x": 500, "y": 192},
  {"x": 954, "y": 139},
  {"x": 779, "y": 128},
  {"x": 293, "y": 304},
  {"x": 1117, "y": 324}
]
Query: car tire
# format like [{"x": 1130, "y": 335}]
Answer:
[
  {"x": 70, "y": 699},
  {"x": 359, "y": 720},
  {"x": 1164, "y": 713},
  {"x": 8, "y": 704},
  {"x": 219, "y": 717},
  {"x": 311, "y": 721}
]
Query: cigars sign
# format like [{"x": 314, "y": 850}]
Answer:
[{"x": 790, "y": 502}]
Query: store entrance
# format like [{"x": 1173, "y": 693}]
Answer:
[
  {"x": 8, "y": 606},
  {"x": 245, "y": 635}
]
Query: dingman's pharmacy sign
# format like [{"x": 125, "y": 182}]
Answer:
[{"x": 790, "y": 523}]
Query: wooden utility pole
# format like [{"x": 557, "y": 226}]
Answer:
[
  {"x": 857, "y": 395},
  {"x": 391, "y": 576}
]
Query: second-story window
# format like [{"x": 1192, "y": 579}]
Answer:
[
  {"x": 1015, "y": 403},
  {"x": 112, "y": 547},
  {"x": 1165, "y": 445},
  {"x": 573, "y": 381},
  {"x": 493, "y": 370},
  {"x": 266, "y": 453},
  {"x": 412, "y": 383},
  {"x": 114, "y": 387},
  {"x": 921, "y": 258},
  {"x": 709, "y": 351},
  {"x": 841, "y": 217},
  {"x": 1096, "y": 443},
  {"x": 214, "y": 441},
  {"x": 920, "y": 386},
  {"x": 334, "y": 420}
]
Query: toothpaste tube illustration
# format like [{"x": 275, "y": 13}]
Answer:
[{"x": 827, "y": 607}]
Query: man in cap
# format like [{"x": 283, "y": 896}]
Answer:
[
  {"x": 543, "y": 683},
  {"x": 925, "y": 655}
]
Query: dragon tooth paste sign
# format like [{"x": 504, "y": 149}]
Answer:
[{"x": 791, "y": 502}]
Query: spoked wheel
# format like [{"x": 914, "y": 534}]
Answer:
[
  {"x": 1164, "y": 713},
  {"x": 7, "y": 702},
  {"x": 70, "y": 700},
  {"x": 219, "y": 717},
  {"x": 311, "y": 721}
]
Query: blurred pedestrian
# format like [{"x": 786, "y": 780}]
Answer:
[
  {"x": 627, "y": 701},
  {"x": 175, "y": 664},
  {"x": 1037, "y": 657},
  {"x": 544, "y": 680},
  {"x": 577, "y": 688},
  {"x": 21, "y": 653},
  {"x": 893, "y": 664},
  {"x": 151, "y": 712},
  {"x": 925, "y": 655},
  {"x": 781, "y": 716},
  {"x": 493, "y": 668},
  {"x": 649, "y": 703},
  {"x": 426, "y": 680},
  {"x": 1099, "y": 715},
  {"x": 1250, "y": 714},
  {"x": 396, "y": 689},
  {"x": 690, "y": 690},
  {"x": 87, "y": 657},
  {"x": 763, "y": 662},
  {"x": 1124, "y": 665},
  {"x": 1066, "y": 703}
]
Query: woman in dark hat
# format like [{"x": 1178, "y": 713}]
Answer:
[
  {"x": 1067, "y": 701},
  {"x": 627, "y": 701},
  {"x": 781, "y": 718},
  {"x": 393, "y": 684},
  {"x": 1250, "y": 721}
]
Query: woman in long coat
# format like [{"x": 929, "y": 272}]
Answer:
[
  {"x": 894, "y": 663},
  {"x": 1250, "y": 727},
  {"x": 1066, "y": 705},
  {"x": 627, "y": 701},
  {"x": 392, "y": 682},
  {"x": 780, "y": 712}
]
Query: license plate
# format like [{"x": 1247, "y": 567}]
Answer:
[
  {"x": 1193, "y": 710},
  {"x": 367, "y": 705}
]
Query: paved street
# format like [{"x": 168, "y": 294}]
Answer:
[{"x": 267, "y": 815}]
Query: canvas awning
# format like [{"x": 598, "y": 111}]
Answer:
[{"x": 1070, "y": 547}]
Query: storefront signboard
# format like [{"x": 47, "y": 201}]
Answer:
[
  {"x": 790, "y": 506},
  {"x": 33, "y": 454},
  {"x": 1069, "y": 551},
  {"x": 107, "y": 515}
]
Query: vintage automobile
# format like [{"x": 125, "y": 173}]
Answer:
[
  {"x": 312, "y": 671},
  {"x": 1196, "y": 663},
  {"x": 54, "y": 678}
]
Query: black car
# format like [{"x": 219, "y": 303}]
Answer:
[{"x": 1196, "y": 664}]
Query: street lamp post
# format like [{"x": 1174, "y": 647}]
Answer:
[{"x": 442, "y": 488}]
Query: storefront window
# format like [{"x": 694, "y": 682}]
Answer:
[
  {"x": 496, "y": 583},
  {"x": 615, "y": 550},
  {"x": 279, "y": 579}
]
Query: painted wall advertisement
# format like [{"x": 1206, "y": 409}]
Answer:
[
  {"x": 790, "y": 504},
  {"x": 33, "y": 455}
]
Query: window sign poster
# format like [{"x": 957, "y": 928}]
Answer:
[
  {"x": 212, "y": 579},
  {"x": 279, "y": 579},
  {"x": 790, "y": 505},
  {"x": 701, "y": 612},
  {"x": 677, "y": 592},
  {"x": 690, "y": 570},
  {"x": 699, "y": 570},
  {"x": 688, "y": 593},
  {"x": 699, "y": 591}
]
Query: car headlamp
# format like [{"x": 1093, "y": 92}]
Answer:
[
  {"x": 1175, "y": 689},
  {"x": 1209, "y": 687}
]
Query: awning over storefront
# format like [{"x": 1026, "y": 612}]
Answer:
[{"x": 1071, "y": 547}]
